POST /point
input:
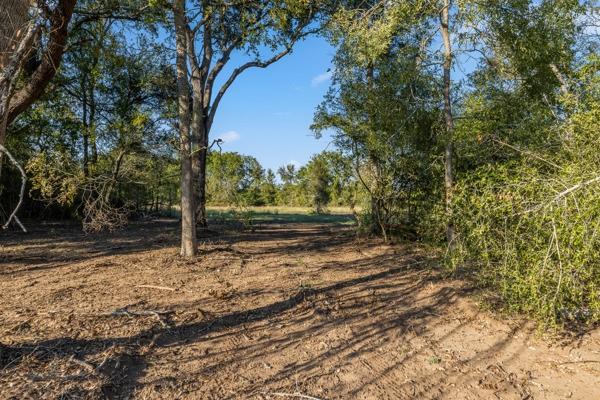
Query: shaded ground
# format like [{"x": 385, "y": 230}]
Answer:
[{"x": 286, "y": 310}]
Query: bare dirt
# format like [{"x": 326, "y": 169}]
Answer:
[{"x": 290, "y": 311}]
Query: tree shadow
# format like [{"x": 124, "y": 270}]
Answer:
[
  {"x": 316, "y": 337},
  {"x": 377, "y": 305},
  {"x": 52, "y": 245}
]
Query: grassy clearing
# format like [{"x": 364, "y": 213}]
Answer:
[{"x": 334, "y": 215}]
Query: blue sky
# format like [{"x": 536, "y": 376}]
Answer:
[{"x": 267, "y": 112}]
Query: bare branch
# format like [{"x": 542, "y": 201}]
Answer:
[
  {"x": 254, "y": 64},
  {"x": 13, "y": 215}
]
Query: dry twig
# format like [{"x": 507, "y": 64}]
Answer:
[
  {"x": 156, "y": 287},
  {"x": 296, "y": 395}
]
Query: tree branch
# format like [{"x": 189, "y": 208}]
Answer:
[
  {"x": 254, "y": 64},
  {"x": 33, "y": 90},
  {"x": 13, "y": 215}
]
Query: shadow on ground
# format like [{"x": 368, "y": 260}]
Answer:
[{"x": 373, "y": 325}]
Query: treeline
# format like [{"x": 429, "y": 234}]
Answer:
[{"x": 238, "y": 180}]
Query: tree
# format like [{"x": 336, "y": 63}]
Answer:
[
  {"x": 56, "y": 17},
  {"x": 188, "y": 218},
  {"x": 319, "y": 182},
  {"x": 51, "y": 18},
  {"x": 214, "y": 33},
  {"x": 448, "y": 117},
  {"x": 269, "y": 189},
  {"x": 382, "y": 108},
  {"x": 13, "y": 26}
]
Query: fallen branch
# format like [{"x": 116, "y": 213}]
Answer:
[
  {"x": 89, "y": 367},
  {"x": 143, "y": 313},
  {"x": 574, "y": 188},
  {"x": 296, "y": 395},
  {"x": 527, "y": 153},
  {"x": 156, "y": 287},
  {"x": 13, "y": 215}
]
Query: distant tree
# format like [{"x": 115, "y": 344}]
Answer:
[
  {"x": 319, "y": 181},
  {"x": 288, "y": 174},
  {"x": 269, "y": 188},
  {"x": 234, "y": 179}
]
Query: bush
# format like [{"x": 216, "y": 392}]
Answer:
[{"x": 530, "y": 227}]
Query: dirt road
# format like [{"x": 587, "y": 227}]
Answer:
[{"x": 290, "y": 311}]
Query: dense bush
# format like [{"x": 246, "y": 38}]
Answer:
[{"x": 530, "y": 224}]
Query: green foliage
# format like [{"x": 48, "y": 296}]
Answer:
[
  {"x": 383, "y": 120},
  {"x": 529, "y": 220},
  {"x": 526, "y": 138},
  {"x": 238, "y": 180},
  {"x": 234, "y": 179},
  {"x": 55, "y": 176}
]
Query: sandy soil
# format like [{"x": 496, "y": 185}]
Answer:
[{"x": 289, "y": 311}]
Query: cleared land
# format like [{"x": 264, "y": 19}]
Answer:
[{"x": 291, "y": 307}]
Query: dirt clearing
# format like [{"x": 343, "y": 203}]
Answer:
[{"x": 288, "y": 311}]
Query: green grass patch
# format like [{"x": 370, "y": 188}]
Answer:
[{"x": 282, "y": 215}]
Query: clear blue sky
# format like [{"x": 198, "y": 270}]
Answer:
[{"x": 267, "y": 112}]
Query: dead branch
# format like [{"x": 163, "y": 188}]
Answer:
[
  {"x": 143, "y": 313},
  {"x": 296, "y": 395},
  {"x": 156, "y": 287},
  {"x": 575, "y": 188},
  {"x": 13, "y": 215},
  {"x": 89, "y": 367}
]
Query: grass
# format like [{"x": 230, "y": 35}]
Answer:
[{"x": 279, "y": 215}]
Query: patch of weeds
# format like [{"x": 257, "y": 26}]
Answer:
[{"x": 434, "y": 360}]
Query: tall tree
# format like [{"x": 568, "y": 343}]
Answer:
[
  {"x": 448, "y": 117},
  {"x": 56, "y": 16},
  {"x": 264, "y": 32},
  {"x": 188, "y": 218},
  {"x": 50, "y": 17}
]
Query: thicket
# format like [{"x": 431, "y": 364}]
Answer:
[
  {"x": 524, "y": 195},
  {"x": 529, "y": 221}
]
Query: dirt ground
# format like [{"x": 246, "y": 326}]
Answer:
[{"x": 289, "y": 311}]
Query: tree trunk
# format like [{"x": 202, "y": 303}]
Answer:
[
  {"x": 202, "y": 154},
  {"x": 449, "y": 148},
  {"x": 85, "y": 123},
  {"x": 92, "y": 123},
  {"x": 200, "y": 139},
  {"x": 188, "y": 223},
  {"x": 13, "y": 21},
  {"x": 14, "y": 25},
  {"x": 34, "y": 88}
]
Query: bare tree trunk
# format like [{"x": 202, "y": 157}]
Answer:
[
  {"x": 449, "y": 148},
  {"x": 58, "y": 32},
  {"x": 188, "y": 223},
  {"x": 85, "y": 123},
  {"x": 200, "y": 139},
  {"x": 16, "y": 38},
  {"x": 92, "y": 124},
  {"x": 202, "y": 154},
  {"x": 13, "y": 24}
]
